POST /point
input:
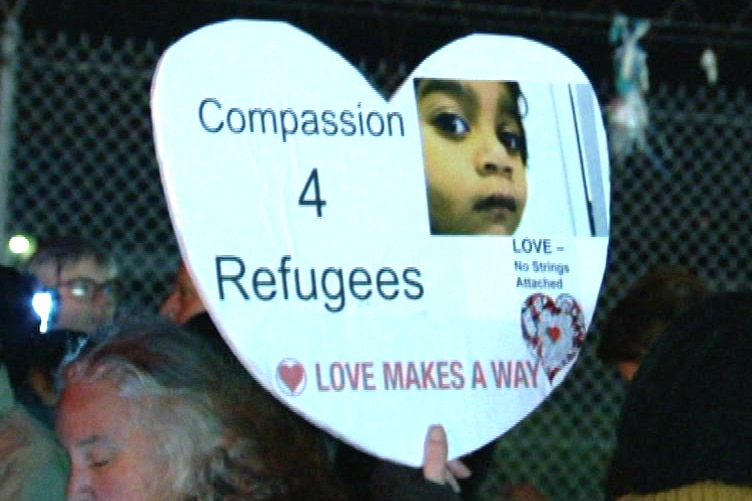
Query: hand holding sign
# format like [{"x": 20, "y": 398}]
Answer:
[{"x": 352, "y": 250}]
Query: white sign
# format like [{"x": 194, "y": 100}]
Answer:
[{"x": 384, "y": 265}]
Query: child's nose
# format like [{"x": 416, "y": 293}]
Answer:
[{"x": 494, "y": 159}]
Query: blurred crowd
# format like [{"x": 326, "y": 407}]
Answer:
[{"x": 94, "y": 407}]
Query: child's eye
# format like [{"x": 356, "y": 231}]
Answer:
[
  {"x": 451, "y": 125},
  {"x": 512, "y": 141}
]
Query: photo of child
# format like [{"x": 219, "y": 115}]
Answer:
[{"x": 475, "y": 155}]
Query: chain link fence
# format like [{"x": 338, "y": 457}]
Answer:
[
  {"x": 84, "y": 163},
  {"x": 84, "y": 160}
]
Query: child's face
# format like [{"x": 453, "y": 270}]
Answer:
[{"x": 472, "y": 148}]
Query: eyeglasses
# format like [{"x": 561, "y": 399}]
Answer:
[{"x": 87, "y": 289}]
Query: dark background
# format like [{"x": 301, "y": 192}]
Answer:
[
  {"x": 407, "y": 31},
  {"x": 84, "y": 128}
]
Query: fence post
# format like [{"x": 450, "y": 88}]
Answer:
[{"x": 9, "y": 41}]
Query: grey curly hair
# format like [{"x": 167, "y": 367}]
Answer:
[{"x": 222, "y": 437}]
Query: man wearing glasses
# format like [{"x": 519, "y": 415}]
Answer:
[{"x": 83, "y": 278}]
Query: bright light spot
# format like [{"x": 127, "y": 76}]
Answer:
[
  {"x": 19, "y": 244},
  {"x": 42, "y": 304}
]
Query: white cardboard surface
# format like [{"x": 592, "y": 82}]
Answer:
[{"x": 406, "y": 328}]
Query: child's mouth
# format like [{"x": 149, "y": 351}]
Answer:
[{"x": 498, "y": 205}]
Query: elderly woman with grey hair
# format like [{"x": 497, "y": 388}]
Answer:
[{"x": 156, "y": 413}]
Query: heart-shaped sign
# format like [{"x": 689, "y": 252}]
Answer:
[{"x": 367, "y": 259}]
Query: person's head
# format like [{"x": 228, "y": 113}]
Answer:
[
  {"x": 650, "y": 304},
  {"x": 83, "y": 276},
  {"x": 686, "y": 415},
  {"x": 475, "y": 155},
  {"x": 153, "y": 413},
  {"x": 30, "y": 357},
  {"x": 18, "y": 322},
  {"x": 183, "y": 301}
]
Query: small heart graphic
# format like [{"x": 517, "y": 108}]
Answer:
[
  {"x": 292, "y": 374},
  {"x": 554, "y": 333},
  {"x": 554, "y": 330}
]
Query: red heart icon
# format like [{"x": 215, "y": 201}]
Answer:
[
  {"x": 553, "y": 330},
  {"x": 554, "y": 333},
  {"x": 292, "y": 374}
]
